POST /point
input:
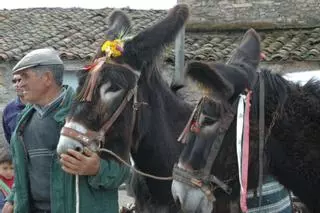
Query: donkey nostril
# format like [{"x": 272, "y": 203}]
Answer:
[{"x": 79, "y": 149}]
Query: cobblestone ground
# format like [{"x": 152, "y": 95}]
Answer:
[{"x": 124, "y": 199}]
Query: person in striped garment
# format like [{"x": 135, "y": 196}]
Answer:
[{"x": 6, "y": 173}]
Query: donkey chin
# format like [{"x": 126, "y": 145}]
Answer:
[
  {"x": 191, "y": 200},
  {"x": 66, "y": 142}
]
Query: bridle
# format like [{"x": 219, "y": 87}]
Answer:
[
  {"x": 203, "y": 179},
  {"x": 97, "y": 138}
]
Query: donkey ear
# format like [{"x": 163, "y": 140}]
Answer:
[
  {"x": 119, "y": 24},
  {"x": 209, "y": 75},
  {"x": 247, "y": 55},
  {"x": 148, "y": 44}
]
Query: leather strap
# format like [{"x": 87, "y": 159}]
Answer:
[
  {"x": 186, "y": 129},
  {"x": 261, "y": 135},
  {"x": 115, "y": 115},
  {"x": 84, "y": 139},
  {"x": 216, "y": 145}
]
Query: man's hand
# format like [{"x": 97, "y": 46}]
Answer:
[
  {"x": 77, "y": 163},
  {"x": 7, "y": 208}
]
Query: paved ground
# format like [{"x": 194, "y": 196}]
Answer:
[{"x": 124, "y": 199}]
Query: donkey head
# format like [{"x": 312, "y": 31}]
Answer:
[
  {"x": 213, "y": 121},
  {"x": 109, "y": 93}
]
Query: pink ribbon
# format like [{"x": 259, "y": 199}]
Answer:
[{"x": 245, "y": 155}]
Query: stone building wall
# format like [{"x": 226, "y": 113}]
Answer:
[
  {"x": 267, "y": 13},
  {"x": 6, "y": 94}
]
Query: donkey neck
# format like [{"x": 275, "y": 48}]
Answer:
[
  {"x": 158, "y": 150},
  {"x": 292, "y": 151},
  {"x": 167, "y": 118}
]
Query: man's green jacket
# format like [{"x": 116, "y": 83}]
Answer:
[{"x": 98, "y": 194}]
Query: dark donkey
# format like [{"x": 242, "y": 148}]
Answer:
[
  {"x": 292, "y": 124},
  {"x": 124, "y": 105}
]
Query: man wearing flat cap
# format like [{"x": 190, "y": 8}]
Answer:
[{"x": 41, "y": 185}]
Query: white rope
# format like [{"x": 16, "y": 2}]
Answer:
[
  {"x": 125, "y": 163},
  {"x": 134, "y": 169},
  {"x": 77, "y": 195}
]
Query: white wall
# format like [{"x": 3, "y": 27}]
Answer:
[
  {"x": 70, "y": 78},
  {"x": 302, "y": 77}
]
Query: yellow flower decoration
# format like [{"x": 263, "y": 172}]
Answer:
[{"x": 113, "y": 48}]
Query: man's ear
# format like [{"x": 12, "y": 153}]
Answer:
[{"x": 48, "y": 78}]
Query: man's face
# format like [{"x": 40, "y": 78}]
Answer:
[
  {"x": 6, "y": 170},
  {"x": 15, "y": 82},
  {"x": 33, "y": 85}
]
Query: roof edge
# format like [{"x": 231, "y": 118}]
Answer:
[
  {"x": 241, "y": 26},
  {"x": 80, "y": 8}
]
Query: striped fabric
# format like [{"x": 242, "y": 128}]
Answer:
[
  {"x": 4, "y": 188},
  {"x": 276, "y": 198}
]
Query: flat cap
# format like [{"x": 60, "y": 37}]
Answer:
[{"x": 44, "y": 56}]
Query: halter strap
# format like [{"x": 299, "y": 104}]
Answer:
[
  {"x": 186, "y": 129},
  {"x": 98, "y": 136},
  {"x": 115, "y": 115}
]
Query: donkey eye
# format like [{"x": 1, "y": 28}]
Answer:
[
  {"x": 208, "y": 120},
  {"x": 109, "y": 87},
  {"x": 113, "y": 88}
]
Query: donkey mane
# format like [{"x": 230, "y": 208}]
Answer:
[
  {"x": 277, "y": 90},
  {"x": 312, "y": 86},
  {"x": 292, "y": 150}
]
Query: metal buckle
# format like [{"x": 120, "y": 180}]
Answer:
[{"x": 137, "y": 105}]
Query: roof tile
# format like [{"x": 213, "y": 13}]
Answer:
[{"x": 77, "y": 32}]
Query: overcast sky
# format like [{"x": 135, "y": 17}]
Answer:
[{"x": 94, "y": 4}]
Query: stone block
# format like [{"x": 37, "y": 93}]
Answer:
[
  {"x": 218, "y": 11},
  {"x": 263, "y": 3},
  {"x": 242, "y": 5}
]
